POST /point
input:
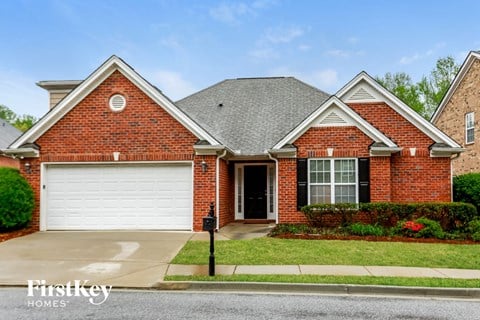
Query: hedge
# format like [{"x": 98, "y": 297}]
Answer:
[
  {"x": 16, "y": 199},
  {"x": 466, "y": 188},
  {"x": 451, "y": 215}
]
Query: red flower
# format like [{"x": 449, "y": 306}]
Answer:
[{"x": 413, "y": 226}]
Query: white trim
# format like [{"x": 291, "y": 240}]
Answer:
[
  {"x": 241, "y": 166},
  {"x": 334, "y": 102},
  {"x": 96, "y": 78},
  {"x": 400, "y": 107},
  {"x": 472, "y": 114},
  {"x": 332, "y": 183},
  {"x": 471, "y": 58},
  {"x": 44, "y": 181}
]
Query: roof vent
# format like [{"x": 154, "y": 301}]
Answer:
[
  {"x": 117, "y": 102},
  {"x": 362, "y": 94},
  {"x": 333, "y": 119},
  {"x": 220, "y": 105}
]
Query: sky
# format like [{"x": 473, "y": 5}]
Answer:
[{"x": 185, "y": 46}]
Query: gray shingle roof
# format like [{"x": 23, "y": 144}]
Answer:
[
  {"x": 8, "y": 134},
  {"x": 252, "y": 114}
]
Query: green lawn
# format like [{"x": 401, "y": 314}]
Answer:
[
  {"x": 386, "y": 281},
  {"x": 274, "y": 251}
]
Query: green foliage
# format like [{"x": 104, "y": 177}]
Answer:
[
  {"x": 431, "y": 229},
  {"x": 322, "y": 215},
  {"x": 425, "y": 95},
  {"x": 361, "y": 229},
  {"x": 474, "y": 229},
  {"x": 16, "y": 199},
  {"x": 287, "y": 228},
  {"x": 401, "y": 85},
  {"x": 21, "y": 122},
  {"x": 466, "y": 188}
]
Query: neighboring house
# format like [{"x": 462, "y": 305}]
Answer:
[
  {"x": 115, "y": 153},
  {"x": 8, "y": 134},
  {"x": 459, "y": 112}
]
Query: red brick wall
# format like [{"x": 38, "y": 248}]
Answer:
[
  {"x": 346, "y": 141},
  {"x": 204, "y": 191},
  {"x": 226, "y": 193},
  {"x": 400, "y": 178},
  {"x": 143, "y": 131},
  {"x": 9, "y": 162}
]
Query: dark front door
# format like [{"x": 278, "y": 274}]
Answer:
[{"x": 255, "y": 189}]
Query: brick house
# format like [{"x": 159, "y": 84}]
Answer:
[
  {"x": 115, "y": 153},
  {"x": 8, "y": 134},
  {"x": 459, "y": 112}
]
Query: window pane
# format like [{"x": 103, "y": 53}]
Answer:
[
  {"x": 345, "y": 194},
  {"x": 470, "y": 135},
  {"x": 320, "y": 194},
  {"x": 319, "y": 171},
  {"x": 345, "y": 171}
]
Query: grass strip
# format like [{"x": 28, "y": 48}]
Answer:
[
  {"x": 358, "y": 280},
  {"x": 272, "y": 251}
]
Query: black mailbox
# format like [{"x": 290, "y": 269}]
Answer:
[{"x": 209, "y": 223}]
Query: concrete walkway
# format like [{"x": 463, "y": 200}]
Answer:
[{"x": 325, "y": 270}]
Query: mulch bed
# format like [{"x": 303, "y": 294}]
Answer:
[
  {"x": 371, "y": 238},
  {"x": 7, "y": 235}
]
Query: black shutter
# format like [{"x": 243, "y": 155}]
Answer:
[
  {"x": 364, "y": 180},
  {"x": 302, "y": 182}
]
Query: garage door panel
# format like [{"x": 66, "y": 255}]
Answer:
[{"x": 102, "y": 197}]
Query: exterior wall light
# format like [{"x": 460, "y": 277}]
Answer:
[
  {"x": 28, "y": 167},
  {"x": 204, "y": 166}
]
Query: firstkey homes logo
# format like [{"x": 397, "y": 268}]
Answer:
[{"x": 57, "y": 296}]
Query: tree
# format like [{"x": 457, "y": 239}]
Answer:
[
  {"x": 400, "y": 84},
  {"x": 22, "y": 123},
  {"x": 426, "y": 95},
  {"x": 436, "y": 85}
]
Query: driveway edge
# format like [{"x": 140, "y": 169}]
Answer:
[{"x": 345, "y": 289}]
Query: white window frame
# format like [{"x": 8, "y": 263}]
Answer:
[
  {"x": 332, "y": 183},
  {"x": 240, "y": 189},
  {"x": 469, "y": 125}
]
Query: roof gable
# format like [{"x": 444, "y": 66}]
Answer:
[
  {"x": 347, "y": 117},
  {"x": 379, "y": 93},
  {"x": 464, "y": 69},
  {"x": 88, "y": 85}
]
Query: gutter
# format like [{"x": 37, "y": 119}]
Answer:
[{"x": 276, "y": 184}]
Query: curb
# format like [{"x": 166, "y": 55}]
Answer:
[{"x": 308, "y": 288}]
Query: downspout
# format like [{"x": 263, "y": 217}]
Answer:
[
  {"x": 217, "y": 187},
  {"x": 275, "y": 198}
]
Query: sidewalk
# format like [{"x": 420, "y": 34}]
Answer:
[{"x": 333, "y": 270}]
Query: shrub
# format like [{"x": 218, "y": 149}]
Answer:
[
  {"x": 431, "y": 229},
  {"x": 466, "y": 188},
  {"x": 361, "y": 229},
  {"x": 286, "y": 228},
  {"x": 474, "y": 229},
  {"x": 16, "y": 199},
  {"x": 420, "y": 228},
  {"x": 327, "y": 215}
]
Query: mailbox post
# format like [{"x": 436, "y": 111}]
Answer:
[{"x": 209, "y": 223}]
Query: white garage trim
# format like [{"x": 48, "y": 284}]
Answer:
[{"x": 44, "y": 205}]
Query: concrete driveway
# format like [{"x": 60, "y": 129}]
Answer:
[{"x": 120, "y": 259}]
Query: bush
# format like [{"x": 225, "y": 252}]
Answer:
[
  {"x": 361, "y": 229},
  {"x": 474, "y": 229},
  {"x": 431, "y": 229},
  {"x": 466, "y": 188},
  {"x": 287, "y": 228},
  {"x": 16, "y": 199},
  {"x": 328, "y": 215}
]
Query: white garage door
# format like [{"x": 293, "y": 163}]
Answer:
[{"x": 108, "y": 197}]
